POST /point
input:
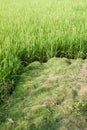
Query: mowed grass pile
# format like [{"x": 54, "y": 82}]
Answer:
[
  {"x": 49, "y": 96},
  {"x": 38, "y": 30}
]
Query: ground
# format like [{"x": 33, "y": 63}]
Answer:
[{"x": 48, "y": 96}]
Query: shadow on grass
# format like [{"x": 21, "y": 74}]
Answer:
[{"x": 47, "y": 124}]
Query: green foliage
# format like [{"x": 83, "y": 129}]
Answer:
[
  {"x": 80, "y": 106},
  {"x": 38, "y": 30}
]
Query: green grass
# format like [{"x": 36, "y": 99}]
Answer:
[
  {"x": 36, "y": 31},
  {"x": 43, "y": 96},
  {"x": 48, "y": 96}
]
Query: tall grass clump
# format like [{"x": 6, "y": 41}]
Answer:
[{"x": 38, "y": 30}]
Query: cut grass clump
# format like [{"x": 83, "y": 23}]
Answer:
[{"x": 47, "y": 98}]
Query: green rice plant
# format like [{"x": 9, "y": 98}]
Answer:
[{"x": 38, "y": 30}]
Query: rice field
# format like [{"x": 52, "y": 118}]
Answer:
[{"x": 38, "y": 30}]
